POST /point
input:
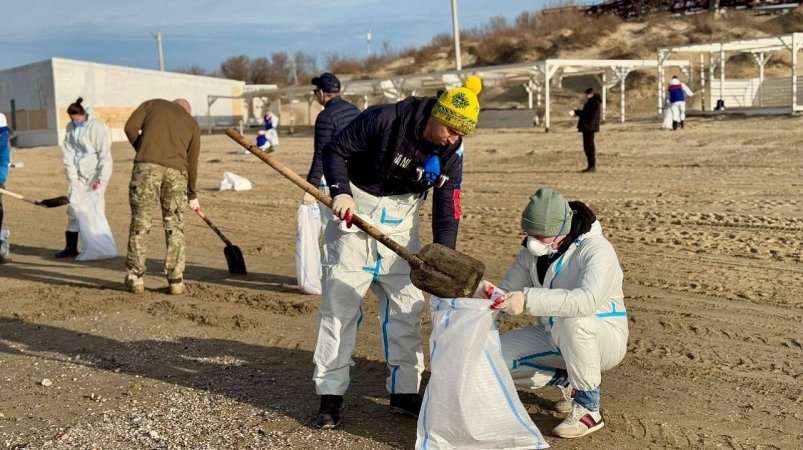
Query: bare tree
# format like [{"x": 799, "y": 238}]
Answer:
[
  {"x": 305, "y": 66},
  {"x": 259, "y": 71},
  {"x": 280, "y": 69},
  {"x": 192, "y": 70},
  {"x": 235, "y": 68}
]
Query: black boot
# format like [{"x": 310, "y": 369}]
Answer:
[
  {"x": 71, "y": 250},
  {"x": 682, "y": 124},
  {"x": 409, "y": 404},
  {"x": 329, "y": 413},
  {"x": 674, "y": 124}
]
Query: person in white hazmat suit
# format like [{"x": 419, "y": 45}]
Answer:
[
  {"x": 87, "y": 159},
  {"x": 569, "y": 278},
  {"x": 677, "y": 93},
  {"x": 381, "y": 167}
]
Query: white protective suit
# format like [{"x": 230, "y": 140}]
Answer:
[
  {"x": 272, "y": 133},
  {"x": 353, "y": 262},
  {"x": 679, "y": 106},
  {"x": 581, "y": 313},
  {"x": 87, "y": 157}
]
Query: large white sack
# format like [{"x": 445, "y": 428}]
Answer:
[
  {"x": 308, "y": 253},
  {"x": 667, "y": 122},
  {"x": 234, "y": 182},
  {"x": 97, "y": 240},
  {"x": 471, "y": 401},
  {"x": 4, "y": 242}
]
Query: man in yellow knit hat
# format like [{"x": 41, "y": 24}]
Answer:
[{"x": 381, "y": 167}]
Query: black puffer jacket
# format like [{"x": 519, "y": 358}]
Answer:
[
  {"x": 588, "y": 117},
  {"x": 332, "y": 120},
  {"x": 379, "y": 152}
]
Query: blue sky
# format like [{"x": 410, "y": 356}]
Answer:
[{"x": 205, "y": 32}]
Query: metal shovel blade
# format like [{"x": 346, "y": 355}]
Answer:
[
  {"x": 447, "y": 273},
  {"x": 235, "y": 260},
  {"x": 54, "y": 202}
]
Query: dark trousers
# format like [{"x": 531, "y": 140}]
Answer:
[
  {"x": 2, "y": 186},
  {"x": 590, "y": 148}
]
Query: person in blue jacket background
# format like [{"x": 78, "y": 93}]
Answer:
[{"x": 5, "y": 162}]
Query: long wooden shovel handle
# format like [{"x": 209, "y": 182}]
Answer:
[
  {"x": 371, "y": 230},
  {"x": 213, "y": 227},
  {"x": 18, "y": 196}
]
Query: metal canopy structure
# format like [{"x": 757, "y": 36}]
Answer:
[
  {"x": 761, "y": 49},
  {"x": 536, "y": 77}
]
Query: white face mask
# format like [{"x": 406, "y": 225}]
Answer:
[{"x": 538, "y": 248}]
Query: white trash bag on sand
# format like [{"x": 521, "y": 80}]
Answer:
[
  {"x": 234, "y": 182},
  {"x": 667, "y": 122},
  {"x": 4, "y": 244},
  {"x": 471, "y": 401},
  {"x": 97, "y": 240},
  {"x": 308, "y": 253}
]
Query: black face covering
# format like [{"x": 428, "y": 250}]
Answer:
[{"x": 582, "y": 220}]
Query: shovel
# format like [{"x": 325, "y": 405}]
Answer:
[
  {"x": 234, "y": 257},
  {"x": 54, "y": 202},
  {"x": 436, "y": 269}
]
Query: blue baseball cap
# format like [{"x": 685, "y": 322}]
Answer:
[{"x": 327, "y": 82}]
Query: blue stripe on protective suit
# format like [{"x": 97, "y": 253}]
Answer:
[
  {"x": 383, "y": 218},
  {"x": 375, "y": 269},
  {"x": 386, "y": 345},
  {"x": 523, "y": 361},
  {"x": 509, "y": 399},
  {"x": 612, "y": 313}
]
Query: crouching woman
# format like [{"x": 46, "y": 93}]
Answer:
[{"x": 568, "y": 276}]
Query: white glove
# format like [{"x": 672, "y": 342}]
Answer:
[
  {"x": 512, "y": 303},
  {"x": 342, "y": 204},
  {"x": 571, "y": 113},
  {"x": 194, "y": 205},
  {"x": 309, "y": 199}
]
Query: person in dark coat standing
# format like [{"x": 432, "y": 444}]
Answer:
[
  {"x": 588, "y": 124},
  {"x": 336, "y": 114}
]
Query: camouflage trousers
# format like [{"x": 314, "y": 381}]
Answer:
[{"x": 151, "y": 185}]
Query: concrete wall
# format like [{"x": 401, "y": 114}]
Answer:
[
  {"x": 31, "y": 88},
  {"x": 113, "y": 92}
]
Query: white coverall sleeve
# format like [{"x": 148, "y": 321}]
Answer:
[
  {"x": 518, "y": 276},
  {"x": 599, "y": 270},
  {"x": 68, "y": 159},
  {"x": 686, "y": 90},
  {"x": 102, "y": 140}
]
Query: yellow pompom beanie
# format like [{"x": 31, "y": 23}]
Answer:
[{"x": 459, "y": 108}]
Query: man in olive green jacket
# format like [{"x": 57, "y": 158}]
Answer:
[{"x": 167, "y": 140}]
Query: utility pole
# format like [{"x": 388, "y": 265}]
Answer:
[
  {"x": 368, "y": 39},
  {"x": 158, "y": 36},
  {"x": 456, "y": 31}
]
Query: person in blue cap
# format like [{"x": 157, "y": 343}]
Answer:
[{"x": 336, "y": 114}]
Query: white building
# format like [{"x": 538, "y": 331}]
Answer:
[{"x": 35, "y": 97}]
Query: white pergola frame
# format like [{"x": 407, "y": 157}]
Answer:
[
  {"x": 535, "y": 77},
  {"x": 761, "y": 49}
]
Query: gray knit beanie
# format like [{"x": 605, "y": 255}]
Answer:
[{"x": 547, "y": 214}]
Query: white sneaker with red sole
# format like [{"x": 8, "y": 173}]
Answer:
[{"x": 579, "y": 422}]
